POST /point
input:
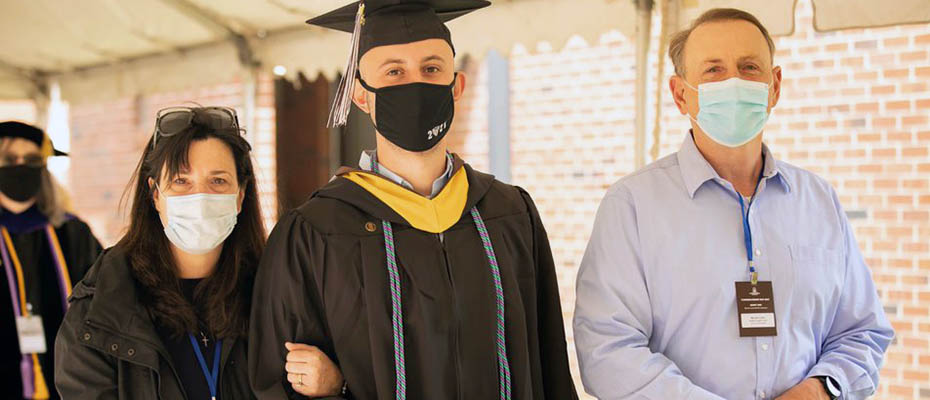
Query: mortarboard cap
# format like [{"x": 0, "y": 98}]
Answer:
[
  {"x": 375, "y": 23},
  {"x": 31, "y": 133}
]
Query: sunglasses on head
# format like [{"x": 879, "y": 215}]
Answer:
[{"x": 173, "y": 120}]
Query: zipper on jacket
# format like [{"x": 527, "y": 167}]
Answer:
[{"x": 456, "y": 332}]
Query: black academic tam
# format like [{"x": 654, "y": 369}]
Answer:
[{"x": 324, "y": 281}]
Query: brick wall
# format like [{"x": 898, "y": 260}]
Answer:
[
  {"x": 107, "y": 140},
  {"x": 855, "y": 107}
]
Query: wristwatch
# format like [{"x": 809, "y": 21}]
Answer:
[{"x": 830, "y": 386}]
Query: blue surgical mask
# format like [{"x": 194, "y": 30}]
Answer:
[{"x": 732, "y": 112}]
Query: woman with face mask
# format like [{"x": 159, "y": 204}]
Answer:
[
  {"x": 164, "y": 313},
  {"x": 43, "y": 249}
]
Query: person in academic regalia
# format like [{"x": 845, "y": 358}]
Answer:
[
  {"x": 43, "y": 249},
  {"x": 164, "y": 313},
  {"x": 418, "y": 276}
]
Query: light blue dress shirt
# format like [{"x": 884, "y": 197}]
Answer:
[
  {"x": 656, "y": 315},
  {"x": 371, "y": 156}
]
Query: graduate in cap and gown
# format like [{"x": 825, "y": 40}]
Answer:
[
  {"x": 418, "y": 276},
  {"x": 44, "y": 250}
]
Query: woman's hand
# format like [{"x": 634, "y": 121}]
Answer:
[{"x": 310, "y": 372}]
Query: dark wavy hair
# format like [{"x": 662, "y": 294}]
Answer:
[{"x": 222, "y": 300}]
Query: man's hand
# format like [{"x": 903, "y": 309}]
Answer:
[
  {"x": 808, "y": 389},
  {"x": 310, "y": 372}
]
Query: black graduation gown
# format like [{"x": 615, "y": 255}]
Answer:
[
  {"x": 323, "y": 281},
  {"x": 80, "y": 248}
]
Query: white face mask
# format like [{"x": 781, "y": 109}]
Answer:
[{"x": 198, "y": 223}]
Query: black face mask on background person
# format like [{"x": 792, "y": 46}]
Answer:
[
  {"x": 413, "y": 116},
  {"x": 20, "y": 182}
]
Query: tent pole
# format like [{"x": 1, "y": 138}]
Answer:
[{"x": 643, "y": 36}]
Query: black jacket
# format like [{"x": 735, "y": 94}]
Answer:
[
  {"x": 108, "y": 348},
  {"x": 323, "y": 281},
  {"x": 79, "y": 247}
]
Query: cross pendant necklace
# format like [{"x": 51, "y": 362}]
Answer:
[{"x": 203, "y": 338}]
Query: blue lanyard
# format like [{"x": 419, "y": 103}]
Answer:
[
  {"x": 212, "y": 376},
  {"x": 747, "y": 230},
  {"x": 747, "y": 238}
]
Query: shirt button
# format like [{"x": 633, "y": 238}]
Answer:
[
  {"x": 761, "y": 395},
  {"x": 765, "y": 347},
  {"x": 758, "y": 252}
]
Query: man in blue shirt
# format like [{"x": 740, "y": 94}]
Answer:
[{"x": 719, "y": 271}]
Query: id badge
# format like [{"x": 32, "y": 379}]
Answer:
[
  {"x": 31, "y": 334},
  {"x": 755, "y": 305}
]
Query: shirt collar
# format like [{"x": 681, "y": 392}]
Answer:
[
  {"x": 369, "y": 156},
  {"x": 695, "y": 170}
]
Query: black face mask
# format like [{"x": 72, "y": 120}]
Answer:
[
  {"x": 20, "y": 182},
  {"x": 414, "y": 116}
]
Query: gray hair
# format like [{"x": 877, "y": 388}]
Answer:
[{"x": 676, "y": 45}]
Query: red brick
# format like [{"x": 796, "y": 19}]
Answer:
[
  {"x": 895, "y": 42},
  {"x": 895, "y": 73},
  {"x": 856, "y": 91},
  {"x": 914, "y": 56},
  {"x": 922, "y": 72},
  {"x": 915, "y": 343},
  {"x": 913, "y": 87},
  {"x": 866, "y": 107},
  {"x": 899, "y": 137},
  {"x": 915, "y": 184},
  {"x": 915, "y": 152},
  {"x": 898, "y": 105},
  {"x": 916, "y": 216},
  {"x": 826, "y": 124},
  {"x": 883, "y": 89},
  {"x": 901, "y": 200},
  {"x": 854, "y": 153},
  {"x": 900, "y": 295},
  {"x": 885, "y": 122},
  {"x": 914, "y": 120},
  {"x": 916, "y": 311},
  {"x": 884, "y": 215},
  {"x": 855, "y": 62},
  {"x": 888, "y": 152},
  {"x": 900, "y": 390},
  {"x": 914, "y": 280}
]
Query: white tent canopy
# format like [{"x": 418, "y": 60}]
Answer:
[
  {"x": 104, "y": 48},
  {"x": 100, "y": 49}
]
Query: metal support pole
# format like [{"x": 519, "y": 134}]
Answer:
[{"x": 643, "y": 36}]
